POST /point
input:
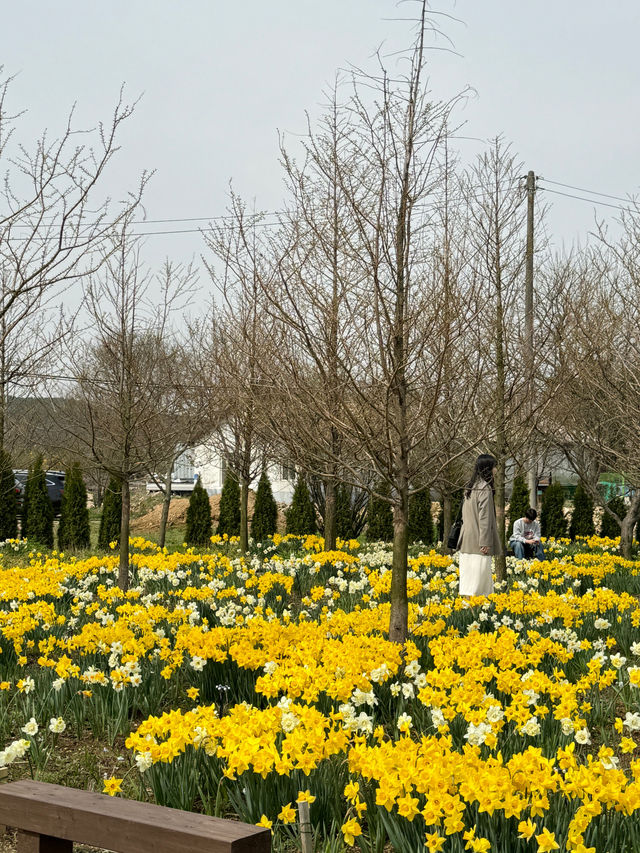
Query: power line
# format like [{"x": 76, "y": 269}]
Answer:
[
  {"x": 590, "y": 200},
  {"x": 583, "y": 190}
]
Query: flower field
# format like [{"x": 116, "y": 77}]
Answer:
[{"x": 241, "y": 685}]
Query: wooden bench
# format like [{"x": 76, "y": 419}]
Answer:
[{"x": 49, "y": 818}]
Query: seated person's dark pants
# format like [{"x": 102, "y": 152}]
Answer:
[{"x": 526, "y": 551}]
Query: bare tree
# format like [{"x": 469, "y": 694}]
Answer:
[
  {"x": 54, "y": 227},
  {"x": 124, "y": 402},
  {"x": 387, "y": 165},
  {"x": 233, "y": 340},
  {"x": 496, "y": 226},
  {"x": 597, "y": 359}
]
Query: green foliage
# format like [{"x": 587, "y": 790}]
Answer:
[
  {"x": 111, "y": 518},
  {"x": 582, "y": 518},
  {"x": 520, "y": 500},
  {"x": 73, "y": 529},
  {"x": 610, "y": 526},
  {"x": 344, "y": 514},
  {"x": 456, "y": 500},
  {"x": 265, "y": 511},
  {"x": 38, "y": 527},
  {"x": 301, "y": 516},
  {"x": 420, "y": 518},
  {"x": 8, "y": 499},
  {"x": 229, "y": 521},
  {"x": 553, "y": 523},
  {"x": 199, "y": 524},
  {"x": 380, "y": 515}
]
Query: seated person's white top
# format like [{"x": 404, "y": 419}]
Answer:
[{"x": 526, "y": 531}]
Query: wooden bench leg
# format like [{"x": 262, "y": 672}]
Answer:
[{"x": 33, "y": 842}]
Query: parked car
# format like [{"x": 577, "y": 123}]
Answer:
[{"x": 55, "y": 487}]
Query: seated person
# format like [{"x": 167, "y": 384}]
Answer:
[{"x": 525, "y": 539}]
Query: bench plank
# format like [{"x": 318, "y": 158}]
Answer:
[
  {"x": 120, "y": 825},
  {"x": 31, "y": 842}
]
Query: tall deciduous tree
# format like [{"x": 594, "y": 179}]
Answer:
[
  {"x": 123, "y": 395},
  {"x": 394, "y": 335},
  {"x": 55, "y": 223},
  {"x": 234, "y": 340}
]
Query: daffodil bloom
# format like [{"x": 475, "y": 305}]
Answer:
[
  {"x": 526, "y": 828},
  {"x": 287, "y": 814},
  {"x": 112, "y": 786},
  {"x": 350, "y": 829},
  {"x": 546, "y": 841}
]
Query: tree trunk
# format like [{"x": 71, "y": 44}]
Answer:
[
  {"x": 447, "y": 521},
  {"x": 98, "y": 496},
  {"x": 244, "y": 515},
  {"x": 628, "y": 524},
  {"x": 166, "y": 503},
  {"x": 500, "y": 560},
  {"x": 123, "y": 568},
  {"x": 330, "y": 514},
  {"x": 399, "y": 617}
]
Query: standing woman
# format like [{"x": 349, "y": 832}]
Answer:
[{"x": 479, "y": 539}]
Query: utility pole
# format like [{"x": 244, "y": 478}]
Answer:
[{"x": 532, "y": 474}]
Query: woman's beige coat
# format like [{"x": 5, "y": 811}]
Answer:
[{"x": 479, "y": 528}]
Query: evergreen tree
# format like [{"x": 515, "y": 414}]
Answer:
[
  {"x": 229, "y": 521},
  {"x": 582, "y": 518},
  {"x": 39, "y": 510},
  {"x": 265, "y": 511},
  {"x": 344, "y": 514},
  {"x": 111, "y": 518},
  {"x": 520, "y": 500},
  {"x": 301, "y": 515},
  {"x": 380, "y": 516},
  {"x": 199, "y": 524},
  {"x": 610, "y": 526},
  {"x": 420, "y": 518},
  {"x": 73, "y": 528},
  {"x": 8, "y": 499},
  {"x": 553, "y": 523}
]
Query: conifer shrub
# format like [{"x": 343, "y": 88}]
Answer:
[
  {"x": 199, "y": 524},
  {"x": 610, "y": 526},
  {"x": 420, "y": 518},
  {"x": 582, "y": 518},
  {"x": 553, "y": 523},
  {"x": 111, "y": 518},
  {"x": 8, "y": 499},
  {"x": 264, "y": 522},
  {"x": 39, "y": 510},
  {"x": 301, "y": 515},
  {"x": 229, "y": 521},
  {"x": 520, "y": 500},
  {"x": 73, "y": 528},
  {"x": 380, "y": 515},
  {"x": 344, "y": 514}
]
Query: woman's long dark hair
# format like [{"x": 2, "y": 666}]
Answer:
[{"x": 485, "y": 463}]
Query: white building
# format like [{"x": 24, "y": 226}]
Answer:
[{"x": 207, "y": 463}]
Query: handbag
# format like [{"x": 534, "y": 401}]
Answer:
[{"x": 455, "y": 531}]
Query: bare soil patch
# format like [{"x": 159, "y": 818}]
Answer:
[{"x": 150, "y": 521}]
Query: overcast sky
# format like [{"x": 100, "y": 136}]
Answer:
[{"x": 558, "y": 78}]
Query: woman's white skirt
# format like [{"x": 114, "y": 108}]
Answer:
[{"x": 475, "y": 574}]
